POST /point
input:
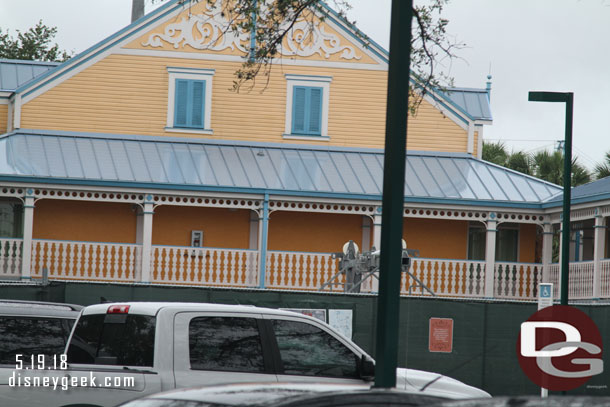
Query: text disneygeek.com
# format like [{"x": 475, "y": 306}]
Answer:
[{"x": 66, "y": 382}]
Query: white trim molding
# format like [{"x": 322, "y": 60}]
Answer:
[
  {"x": 194, "y": 74},
  {"x": 16, "y": 122},
  {"x": 307, "y": 80}
]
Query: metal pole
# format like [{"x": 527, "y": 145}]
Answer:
[
  {"x": 393, "y": 193},
  {"x": 567, "y": 197}
]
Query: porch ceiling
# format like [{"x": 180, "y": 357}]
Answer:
[{"x": 222, "y": 165}]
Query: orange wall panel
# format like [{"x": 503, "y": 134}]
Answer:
[
  {"x": 437, "y": 238},
  {"x": 527, "y": 243},
  {"x": 84, "y": 221},
  {"x": 313, "y": 232},
  {"x": 172, "y": 225}
]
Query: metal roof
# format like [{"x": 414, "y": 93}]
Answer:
[
  {"x": 593, "y": 191},
  {"x": 14, "y": 72},
  {"x": 221, "y": 165},
  {"x": 474, "y": 102}
]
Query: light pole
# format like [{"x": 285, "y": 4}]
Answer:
[
  {"x": 390, "y": 262},
  {"x": 568, "y": 99}
]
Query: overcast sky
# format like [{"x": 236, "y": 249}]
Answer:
[{"x": 553, "y": 45}]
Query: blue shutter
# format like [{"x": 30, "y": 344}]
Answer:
[
  {"x": 189, "y": 106},
  {"x": 181, "y": 102},
  {"x": 198, "y": 104},
  {"x": 298, "y": 109},
  {"x": 307, "y": 110},
  {"x": 315, "y": 111}
]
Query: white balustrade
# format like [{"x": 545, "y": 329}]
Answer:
[
  {"x": 10, "y": 257},
  {"x": 301, "y": 270},
  {"x": 204, "y": 266},
  {"x": 517, "y": 280},
  {"x": 604, "y": 277},
  {"x": 580, "y": 284},
  {"x": 284, "y": 270},
  {"x": 456, "y": 278},
  {"x": 84, "y": 260}
]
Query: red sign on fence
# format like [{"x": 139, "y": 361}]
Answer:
[{"x": 441, "y": 335}]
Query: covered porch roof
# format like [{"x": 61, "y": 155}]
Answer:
[{"x": 232, "y": 166}]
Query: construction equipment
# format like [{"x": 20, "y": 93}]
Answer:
[{"x": 357, "y": 268}]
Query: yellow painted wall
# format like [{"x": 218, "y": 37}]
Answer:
[
  {"x": 172, "y": 225},
  {"x": 476, "y": 144},
  {"x": 437, "y": 238},
  {"x": 84, "y": 221},
  {"x": 527, "y": 243},
  {"x": 313, "y": 232},
  {"x": 3, "y": 118},
  {"x": 128, "y": 95}
]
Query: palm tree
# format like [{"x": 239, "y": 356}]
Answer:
[
  {"x": 520, "y": 161},
  {"x": 495, "y": 153},
  {"x": 549, "y": 167},
  {"x": 602, "y": 170}
]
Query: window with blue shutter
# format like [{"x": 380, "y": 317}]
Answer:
[
  {"x": 307, "y": 110},
  {"x": 189, "y": 104}
]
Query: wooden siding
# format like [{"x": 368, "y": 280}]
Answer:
[
  {"x": 128, "y": 94},
  {"x": 3, "y": 118},
  {"x": 84, "y": 221},
  {"x": 172, "y": 225}
]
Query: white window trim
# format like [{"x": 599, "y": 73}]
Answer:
[
  {"x": 307, "y": 80},
  {"x": 194, "y": 74}
]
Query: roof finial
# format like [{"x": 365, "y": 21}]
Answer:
[{"x": 488, "y": 86}]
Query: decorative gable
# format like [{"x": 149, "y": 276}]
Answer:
[{"x": 202, "y": 27}]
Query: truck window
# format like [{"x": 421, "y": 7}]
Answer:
[
  {"x": 225, "y": 343},
  {"x": 32, "y": 336},
  {"x": 308, "y": 350},
  {"x": 113, "y": 340}
]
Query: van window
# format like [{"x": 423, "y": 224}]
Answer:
[
  {"x": 308, "y": 350},
  {"x": 32, "y": 336},
  {"x": 114, "y": 339},
  {"x": 225, "y": 343}
]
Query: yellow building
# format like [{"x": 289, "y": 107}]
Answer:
[{"x": 135, "y": 161}]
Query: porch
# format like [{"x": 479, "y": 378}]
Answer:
[{"x": 241, "y": 268}]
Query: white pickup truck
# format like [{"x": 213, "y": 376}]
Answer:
[{"x": 118, "y": 352}]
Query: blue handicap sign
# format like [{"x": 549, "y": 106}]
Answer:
[{"x": 545, "y": 291}]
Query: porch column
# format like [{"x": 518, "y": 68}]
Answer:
[
  {"x": 599, "y": 242},
  {"x": 146, "y": 241},
  {"x": 377, "y": 229},
  {"x": 490, "y": 255},
  {"x": 547, "y": 250},
  {"x": 263, "y": 227},
  {"x": 377, "y": 244},
  {"x": 560, "y": 257},
  {"x": 28, "y": 228}
]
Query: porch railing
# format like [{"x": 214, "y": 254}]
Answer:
[
  {"x": 10, "y": 258},
  {"x": 69, "y": 260},
  {"x": 461, "y": 278},
  {"x": 605, "y": 278},
  {"x": 204, "y": 266},
  {"x": 580, "y": 283},
  {"x": 301, "y": 270},
  {"x": 517, "y": 280}
]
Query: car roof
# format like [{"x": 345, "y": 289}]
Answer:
[
  {"x": 152, "y": 308},
  {"x": 39, "y": 309},
  {"x": 272, "y": 394},
  {"x": 531, "y": 401}
]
